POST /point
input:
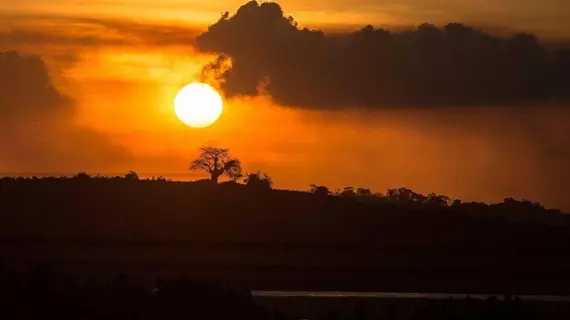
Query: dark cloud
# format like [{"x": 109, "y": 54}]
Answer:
[
  {"x": 26, "y": 90},
  {"x": 427, "y": 66},
  {"x": 37, "y": 132}
]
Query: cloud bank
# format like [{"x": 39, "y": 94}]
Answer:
[
  {"x": 373, "y": 68},
  {"x": 36, "y": 124}
]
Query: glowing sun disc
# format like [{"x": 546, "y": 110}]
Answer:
[{"x": 198, "y": 105}]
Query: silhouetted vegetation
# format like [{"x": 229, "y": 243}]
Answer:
[
  {"x": 217, "y": 162},
  {"x": 131, "y": 175},
  {"x": 320, "y": 190},
  {"x": 455, "y": 65},
  {"x": 380, "y": 239},
  {"x": 258, "y": 180}
]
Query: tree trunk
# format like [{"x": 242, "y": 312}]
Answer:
[{"x": 215, "y": 176}]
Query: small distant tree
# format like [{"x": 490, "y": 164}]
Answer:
[
  {"x": 132, "y": 176},
  {"x": 363, "y": 193},
  {"x": 258, "y": 180},
  {"x": 405, "y": 195},
  {"x": 347, "y": 192},
  {"x": 82, "y": 176},
  {"x": 320, "y": 190},
  {"x": 438, "y": 200},
  {"x": 217, "y": 162}
]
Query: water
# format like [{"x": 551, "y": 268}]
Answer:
[{"x": 402, "y": 295}]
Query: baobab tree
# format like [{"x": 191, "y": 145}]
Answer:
[{"x": 217, "y": 162}]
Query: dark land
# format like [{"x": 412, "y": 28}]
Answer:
[
  {"x": 282, "y": 240},
  {"x": 43, "y": 292}
]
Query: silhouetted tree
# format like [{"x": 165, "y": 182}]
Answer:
[
  {"x": 456, "y": 203},
  {"x": 258, "y": 180},
  {"x": 347, "y": 192},
  {"x": 362, "y": 192},
  {"x": 132, "y": 176},
  {"x": 82, "y": 176},
  {"x": 438, "y": 200},
  {"x": 405, "y": 195},
  {"x": 320, "y": 190},
  {"x": 217, "y": 162}
]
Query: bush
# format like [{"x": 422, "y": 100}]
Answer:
[{"x": 258, "y": 180}]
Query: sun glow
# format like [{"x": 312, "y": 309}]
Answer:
[{"x": 198, "y": 105}]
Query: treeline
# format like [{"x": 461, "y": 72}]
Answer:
[
  {"x": 407, "y": 197},
  {"x": 83, "y": 176},
  {"x": 403, "y": 198}
]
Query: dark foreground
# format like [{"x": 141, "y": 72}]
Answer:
[
  {"x": 44, "y": 293},
  {"x": 283, "y": 240},
  {"x": 300, "y": 267}
]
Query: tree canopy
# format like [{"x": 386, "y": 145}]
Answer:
[{"x": 217, "y": 162}]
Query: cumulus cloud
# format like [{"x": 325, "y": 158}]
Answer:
[
  {"x": 427, "y": 66},
  {"x": 36, "y": 124}
]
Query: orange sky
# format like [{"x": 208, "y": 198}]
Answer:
[
  {"x": 123, "y": 78},
  {"x": 546, "y": 17}
]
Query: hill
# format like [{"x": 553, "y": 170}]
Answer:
[{"x": 285, "y": 238}]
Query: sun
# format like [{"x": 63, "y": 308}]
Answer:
[{"x": 198, "y": 105}]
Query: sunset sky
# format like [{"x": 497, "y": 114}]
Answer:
[
  {"x": 548, "y": 16},
  {"x": 118, "y": 65}
]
